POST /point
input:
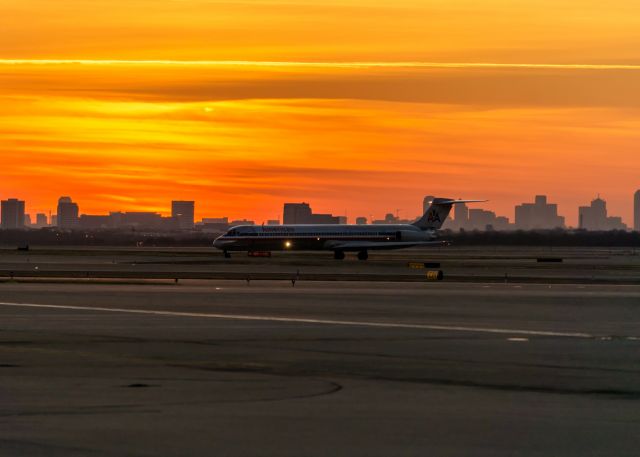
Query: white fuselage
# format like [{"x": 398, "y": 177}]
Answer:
[{"x": 321, "y": 237}]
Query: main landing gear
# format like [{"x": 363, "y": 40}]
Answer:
[{"x": 339, "y": 255}]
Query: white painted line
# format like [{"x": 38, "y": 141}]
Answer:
[{"x": 300, "y": 320}]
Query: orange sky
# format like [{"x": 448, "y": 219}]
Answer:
[{"x": 243, "y": 138}]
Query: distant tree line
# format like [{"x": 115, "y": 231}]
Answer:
[
  {"x": 558, "y": 237},
  {"x": 53, "y": 237}
]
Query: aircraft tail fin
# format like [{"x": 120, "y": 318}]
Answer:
[{"x": 438, "y": 213}]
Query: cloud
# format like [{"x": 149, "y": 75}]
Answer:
[
  {"x": 242, "y": 140},
  {"x": 491, "y": 85}
]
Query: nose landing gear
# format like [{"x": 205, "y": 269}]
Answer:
[
  {"x": 338, "y": 255},
  {"x": 227, "y": 255}
]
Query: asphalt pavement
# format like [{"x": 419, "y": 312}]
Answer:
[{"x": 322, "y": 368}]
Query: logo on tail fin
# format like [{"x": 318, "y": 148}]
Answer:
[{"x": 433, "y": 216}]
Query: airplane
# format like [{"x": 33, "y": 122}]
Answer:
[{"x": 340, "y": 238}]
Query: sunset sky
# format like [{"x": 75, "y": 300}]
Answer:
[{"x": 358, "y": 107}]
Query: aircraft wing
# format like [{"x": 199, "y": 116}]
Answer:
[{"x": 379, "y": 245}]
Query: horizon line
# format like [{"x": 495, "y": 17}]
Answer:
[{"x": 327, "y": 64}]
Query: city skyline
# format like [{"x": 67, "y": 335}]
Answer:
[
  {"x": 541, "y": 214},
  {"x": 404, "y": 213},
  {"x": 240, "y": 106}
]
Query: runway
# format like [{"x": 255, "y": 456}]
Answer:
[
  {"x": 520, "y": 265},
  {"x": 226, "y": 368}
]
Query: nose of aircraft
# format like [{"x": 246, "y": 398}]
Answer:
[{"x": 221, "y": 243}]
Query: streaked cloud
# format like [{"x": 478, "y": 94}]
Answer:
[
  {"x": 465, "y": 84},
  {"x": 290, "y": 64},
  {"x": 247, "y": 156}
]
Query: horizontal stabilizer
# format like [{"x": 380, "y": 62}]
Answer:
[{"x": 453, "y": 202}]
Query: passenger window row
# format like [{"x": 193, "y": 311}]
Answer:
[{"x": 310, "y": 234}]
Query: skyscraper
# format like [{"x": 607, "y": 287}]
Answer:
[
  {"x": 426, "y": 203},
  {"x": 12, "y": 214},
  {"x": 296, "y": 213},
  {"x": 480, "y": 219},
  {"x": 41, "y": 220},
  {"x": 636, "y": 211},
  {"x": 67, "y": 213},
  {"x": 461, "y": 215},
  {"x": 301, "y": 213},
  {"x": 595, "y": 217},
  {"x": 538, "y": 215},
  {"x": 184, "y": 213}
]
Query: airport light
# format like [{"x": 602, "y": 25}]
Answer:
[{"x": 287, "y": 244}]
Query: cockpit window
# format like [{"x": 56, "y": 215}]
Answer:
[{"x": 232, "y": 232}]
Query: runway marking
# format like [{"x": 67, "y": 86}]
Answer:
[{"x": 300, "y": 320}]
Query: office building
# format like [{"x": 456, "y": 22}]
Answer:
[
  {"x": 324, "y": 219},
  {"x": 389, "y": 219},
  {"x": 594, "y": 217},
  {"x": 296, "y": 213},
  {"x": 538, "y": 215},
  {"x": 636, "y": 211},
  {"x": 301, "y": 213},
  {"x": 241, "y": 222},
  {"x": 216, "y": 220},
  {"x": 12, "y": 214},
  {"x": 480, "y": 219},
  {"x": 361, "y": 220},
  {"x": 41, "y": 220},
  {"x": 426, "y": 203},
  {"x": 460, "y": 216},
  {"x": 214, "y": 224},
  {"x": 67, "y": 214},
  {"x": 615, "y": 223},
  {"x": 138, "y": 220},
  {"x": 184, "y": 214},
  {"x": 89, "y": 222},
  {"x": 502, "y": 223}
]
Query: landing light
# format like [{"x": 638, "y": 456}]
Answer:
[{"x": 287, "y": 244}]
